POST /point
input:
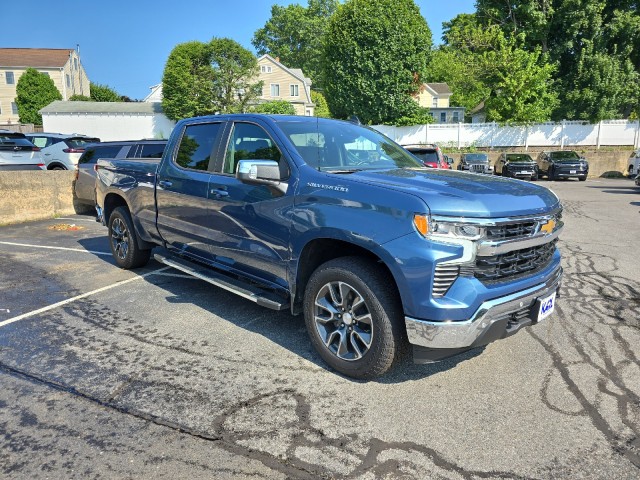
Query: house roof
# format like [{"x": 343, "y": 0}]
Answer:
[
  {"x": 145, "y": 108},
  {"x": 34, "y": 57},
  {"x": 440, "y": 88}
]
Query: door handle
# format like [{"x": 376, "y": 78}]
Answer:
[
  {"x": 219, "y": 192},
  {"x": 165, "y": 183},
  {"x": 48, "y": 154}
]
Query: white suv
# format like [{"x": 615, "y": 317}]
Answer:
[
  {"x": 18, "y": 153},
  {"x": 61, "y": 151}
]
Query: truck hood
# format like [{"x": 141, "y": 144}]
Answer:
[{"x": 456, "y": 193}]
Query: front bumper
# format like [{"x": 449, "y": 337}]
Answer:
[{"x": 494, "y": 319}]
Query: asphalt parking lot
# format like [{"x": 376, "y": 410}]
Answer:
[{"x": 107, "y": 373}]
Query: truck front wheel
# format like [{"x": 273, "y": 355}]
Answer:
[
  {"x": 353, "y": 317},
  {"x": 124, "y": 242}
]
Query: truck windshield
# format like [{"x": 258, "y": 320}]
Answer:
[
  {"x": 567, "y": 156},
  {"x": 342, "y": 147},
  {"x": 519, "y": 158},
  {"x": 476, "y": 157}
]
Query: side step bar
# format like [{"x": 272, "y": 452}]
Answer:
[{"x": 250, "y": 292}]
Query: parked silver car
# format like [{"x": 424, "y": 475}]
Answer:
[
  {"x": 18, "y": 153},
  {"x": 61, "y": 151}
]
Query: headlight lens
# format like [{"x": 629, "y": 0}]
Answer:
[{"x": 443, "y": 230}]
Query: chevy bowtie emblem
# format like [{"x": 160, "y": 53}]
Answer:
[{"x": 548, "y": 227}]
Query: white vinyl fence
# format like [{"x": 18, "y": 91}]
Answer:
[{"x": 567, "y": 133}]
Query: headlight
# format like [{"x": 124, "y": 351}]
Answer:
[{"x": 446, "y": 230}]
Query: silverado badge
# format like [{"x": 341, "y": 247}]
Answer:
[{"x": 548, "y": 226}]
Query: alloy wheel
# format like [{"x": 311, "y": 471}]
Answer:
[{"x": 119, "y": 238}]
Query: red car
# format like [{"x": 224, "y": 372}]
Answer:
[{"x": 430, "y": 155}]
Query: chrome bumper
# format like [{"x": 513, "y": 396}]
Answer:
[{"x": 468, "y": 333}]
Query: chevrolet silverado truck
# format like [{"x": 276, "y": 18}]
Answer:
[{"x": 335, "y": 221}]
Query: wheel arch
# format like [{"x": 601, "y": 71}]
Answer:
[
  {"x": 320, "y": 250},
  {"x": 56, "y": 164},
  {"x": 114, "y": 200}
]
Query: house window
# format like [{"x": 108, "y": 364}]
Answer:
[
  {"x": 68, "y": 79},
  {"x": 434, "y": 102},
  {"x": 456, "y": 117},
  {"x": 443, "y": 117},
  {"x": 14, "y": 108},
  {"x": 10, "y": 78},
  {"x": 275, "y": 89},
  {"x": 308, "y": 112},
  {"x": 75, "y": 63},
  {"x": 45, "y": 73},
  {"x": 265, "y": 68},
  {"x": 294, "y": 90},
  {"x": 0, "y": 108}
]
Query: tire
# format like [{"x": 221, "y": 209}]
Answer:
[
  {"x": 363, "y": 342},
  {"x": 583, "y": 179},
  {"x": 124, "y": 241},
  {"x": 57, "y": 168},
  {"x": 534, "y": 178},
  {"x": 550, "y": 175}
]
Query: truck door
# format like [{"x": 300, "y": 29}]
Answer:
[
  {"x": 184, "y": 214},
  {"x": 251, "y": 221}
]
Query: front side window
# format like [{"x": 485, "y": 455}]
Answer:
[
  {"x": 196, "y": 146},
  {"x": 294, "y": 90},
  {"x": 275, "y": 90},
  {"x": 10, "y": 78},
  {"x": 249, "y": 142}
]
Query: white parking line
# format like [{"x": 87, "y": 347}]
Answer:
[
  {"x": 54, "y": 248},
  {"x": 92, "y": 220},
  {"x": 78, "y": 297}
]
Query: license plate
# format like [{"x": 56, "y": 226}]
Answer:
[
  {"x": 572, "y": 171},
  {"x": 547, "y": 305},
  {"x": 524, "y": 172}
]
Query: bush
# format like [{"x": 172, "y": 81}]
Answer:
[{"x": 276, "y": 107}]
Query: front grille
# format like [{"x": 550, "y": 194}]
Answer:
[
  {"x": 512, "y": 264},
  {"x": 511, "y": 230},
  {"x": 444, "y": 277},
  {"x": 478, "y": 168}
]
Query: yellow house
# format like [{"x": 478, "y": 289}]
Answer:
[
  {"x": 283, "y": 83},
  {"x": 62, "y": 65},
  {"x": 435, "y": 97}
]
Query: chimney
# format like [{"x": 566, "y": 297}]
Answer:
[{"x": 278, "y": 59}]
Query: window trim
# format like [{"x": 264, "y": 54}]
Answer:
[
  {"x": 13, "y": 77},
  {"x": 213, "y": 156},
  {"x": 271, "y": 92},
  {"x": 292, "y": 87},
  {"x": 14, "y": 108}
]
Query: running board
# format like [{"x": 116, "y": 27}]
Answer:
[{"x": 246, "y": 290}]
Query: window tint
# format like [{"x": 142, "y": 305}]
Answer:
[
  {"x": 196, "y": 145},
  {"x": 93, "y": 154},
  {"x": 79, "y": 142},
  {"x": 249, "y": 142},
  {"x": 151, "y": 150}
]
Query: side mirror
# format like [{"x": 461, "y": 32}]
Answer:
[
  {"x": 260, "y": 172},
  {"x": 449, "y": 160}
]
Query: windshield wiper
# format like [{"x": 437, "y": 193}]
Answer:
[{"x": 344, "y": 170}]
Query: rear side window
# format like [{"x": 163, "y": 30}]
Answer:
[
  {"x": 93, "y": 154},
  {"x": 40, "y": 142},
  {"x": 151, "y": 150},
  {"x": 196, "y": 145}
]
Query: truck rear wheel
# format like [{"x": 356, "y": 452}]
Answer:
[
  {"x": 353, "y": 318},
  {"x": 124, "y": 241}
]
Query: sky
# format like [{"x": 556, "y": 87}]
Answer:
[{"x": 125, "y": 44}]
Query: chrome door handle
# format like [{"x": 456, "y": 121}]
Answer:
[
  {"x": 165, "y": 183},
  {"x": 219, "y": 192}
]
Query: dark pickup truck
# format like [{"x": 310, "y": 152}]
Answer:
[{"x": 334, "y": 220}]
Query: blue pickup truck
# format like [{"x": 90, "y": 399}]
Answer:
[{"x": 334, "y": 220}]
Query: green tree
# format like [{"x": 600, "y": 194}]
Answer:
[
  {"x": 104, "y": 93},
  {"x": 281, "y": 107},
  {"x": 375, "y": 59},
  {"x": 80, "y": 98},
  {"x": 34, "y": 91},
  {"x": 294, "y": 34},
  {"x": 594, "y": 43},
  {"x": 235, "y": 72},
  {"x": 321, "y": 106},
  {"x": 187, "y": 81},
  {"x": 480, "y": 64}
]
